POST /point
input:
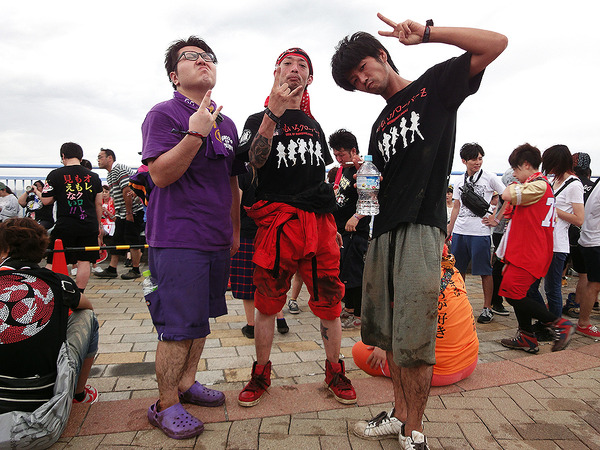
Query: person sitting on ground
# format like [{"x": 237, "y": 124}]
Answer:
[
  {"x": 31, "y": 200},
  {"x": 9, "y": 205},
  {"x": 456, "y": 346},
  {"x": 35, "y": 332}
]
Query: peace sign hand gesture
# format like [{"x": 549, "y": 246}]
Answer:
[
  {"x": 202, "y": 120},
  {"x": 407, "y": 32}
]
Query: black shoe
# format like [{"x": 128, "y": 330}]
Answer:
[
  {"x": 500, "y": 310},
  {"x": 131, "y": 275},
  {"x": 282, "y": 326},
  {"x": 543, "y": 333},
  {"x": 571, "y": 307},
  {"x": 248, "y": 331},
  {"x": 127, "y": 262},
  {"x": 106, "y": 274},
  {"x": 486, "y": 316}
]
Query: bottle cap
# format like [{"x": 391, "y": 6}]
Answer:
[
  {"x": 368, "y": 157},
  {"x": 146, "y": 273}
]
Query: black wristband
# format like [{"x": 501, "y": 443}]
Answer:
[
  {"x": 271, "y": 115},
  {"x": 428, "y": 24}
]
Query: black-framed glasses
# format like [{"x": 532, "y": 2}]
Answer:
[{"x": 193, "y": 56}]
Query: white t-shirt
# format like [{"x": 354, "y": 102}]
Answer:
[
  {"x": 590, "y": 231},
  {"x": 573, "y": 193},
  {"x": 468, "y": 223}
]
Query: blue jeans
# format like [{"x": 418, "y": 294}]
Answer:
[{"x": 552, "y": 285}]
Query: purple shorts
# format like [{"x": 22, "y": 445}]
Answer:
[{"x": 191, "y": 289}]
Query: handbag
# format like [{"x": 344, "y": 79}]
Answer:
[{"x": 473, "y": 201}]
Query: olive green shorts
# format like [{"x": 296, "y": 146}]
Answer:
[{"x": 401, "y": 286}]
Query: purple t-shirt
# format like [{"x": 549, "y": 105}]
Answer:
[{"x": 194, "y": 211}]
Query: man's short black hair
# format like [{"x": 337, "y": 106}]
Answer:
[
  {"x": 350, "y": 51},
  {"x": 109, "y": 152},
  {"x": 71, "y": 150},
  {"x": 471, "y": 150},
  {"x": 343, "y": 139},
  {"x": 525, "y": 153},
  {"x": 172, "y": 52}
]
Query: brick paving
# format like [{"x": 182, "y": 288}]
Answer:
[{"x": 512, "y": 401}]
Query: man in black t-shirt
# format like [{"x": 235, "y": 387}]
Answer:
[
  {"x": 78, "y": 195},
  {"x": 296, "y": 230},
  {"x": 412, "y": 143},
  {"x": 353, "y": 227}
]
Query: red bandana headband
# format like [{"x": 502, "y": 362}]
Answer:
[{"x": 296, "y": 51}]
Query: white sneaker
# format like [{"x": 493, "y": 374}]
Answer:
[
  {"x": 351, "y": 322},
  {"x": 383, "y": 426},
  {"x": 74, "y": 271},
  {"x": 416, "y": 441},
  {"x": 97, "y": 269}
]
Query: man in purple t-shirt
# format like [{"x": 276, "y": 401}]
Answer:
[{"x": 192, "y": 229}]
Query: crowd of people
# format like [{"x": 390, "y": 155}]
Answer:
[{"x": 260, "y": 214}]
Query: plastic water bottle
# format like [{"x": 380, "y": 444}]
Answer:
[
  {"x": 149, "y": 284},
  {"x": 367, "y": 185}
]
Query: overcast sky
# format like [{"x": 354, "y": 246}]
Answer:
[{"x": 89, "y": 72}]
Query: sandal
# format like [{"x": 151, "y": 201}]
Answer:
[
  {"x": 175, "y": 421},
  {"x": 202, "y": 396}
]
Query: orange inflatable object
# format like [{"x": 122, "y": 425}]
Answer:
[
  {"x": 59, "y": 262},
  {"x": 457, "y": 345}
]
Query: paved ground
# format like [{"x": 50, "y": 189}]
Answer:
[{"x": 513, "y": 400}]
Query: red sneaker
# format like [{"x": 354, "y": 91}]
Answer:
[
  {"x": 338, "y": 383},
  {"x": 91, "y": 395},
  {"x": 590, "y": 330},
  {"x": 258, "y": 385},
  {"x": 564, "y": 331}
]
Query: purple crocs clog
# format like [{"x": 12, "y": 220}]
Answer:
[
  {"x": 202, "y": 396},
  {"x": 175, "y": 421}
]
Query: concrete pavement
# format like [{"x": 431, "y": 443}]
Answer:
[{"x": 513, "y": 400}]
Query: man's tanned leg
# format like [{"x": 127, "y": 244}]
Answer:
[{"x": 191, "y": 364}]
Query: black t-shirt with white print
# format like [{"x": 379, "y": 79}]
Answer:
[
  {"x": 295, "y": 170},
  {"x": 412, "y": 143}
]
